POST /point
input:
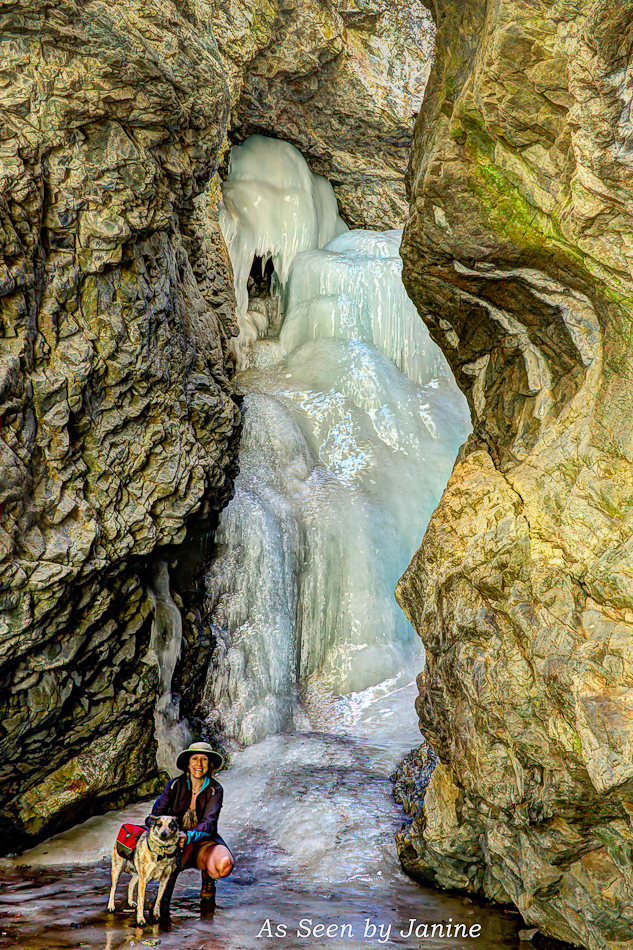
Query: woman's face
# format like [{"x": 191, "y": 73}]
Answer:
[{"x": 198, "y": 765}]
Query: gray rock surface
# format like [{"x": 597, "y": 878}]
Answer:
[
  {"x": 116, "y": 409},
  {"x": 343, "y": 81},
  {"x": 519, "y": 254}
]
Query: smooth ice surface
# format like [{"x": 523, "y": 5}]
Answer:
[
  {"x": 342, "y": 460},
  {"x": 273, "y": 207}
]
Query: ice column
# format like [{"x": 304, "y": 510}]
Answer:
[
  {"x": 353, "y": 290},
  {"x": 172, "y": 734}
]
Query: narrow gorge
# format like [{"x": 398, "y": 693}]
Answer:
[
  {"x": 225, "y": 427},
  {"x": 120, "y": 423}
]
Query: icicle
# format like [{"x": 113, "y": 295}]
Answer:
[
  {"x": 172, "y": 734},
  {"x": 273, "y": 207}
]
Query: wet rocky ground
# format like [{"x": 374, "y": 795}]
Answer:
[
  {"x": 310, "y": 817},
  {"x": 54, "y": 908}
]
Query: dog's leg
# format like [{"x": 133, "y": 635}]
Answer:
[
  {"x": 140, "y": 907},
  {"x": 117, "y": 867},
  {"x": 165, "y": 905},
  {"x": 130, "y": 889},
  {"x": 164, "y": 881}
]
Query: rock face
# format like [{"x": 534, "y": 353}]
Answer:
[
  {"x": 118, "y": 421},
  {"x": 117, "y": 415},
  {"x": 342, "y": 81},
  {"x": 519, "y": 254}
]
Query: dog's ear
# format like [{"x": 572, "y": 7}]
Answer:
[{"x": 151, "y": 821}]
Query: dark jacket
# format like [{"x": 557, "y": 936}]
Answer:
[{"x": 176, "y": 796}]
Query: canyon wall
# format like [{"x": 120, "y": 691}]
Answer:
[
  {"x": 118, "y": 418},
  {"x": 519, "y": 255},
  {"x": 342, "y": 81},
  {"x": 117, "y": 415}
]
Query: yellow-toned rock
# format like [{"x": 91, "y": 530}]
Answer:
[{"x": 518, "y": 254}]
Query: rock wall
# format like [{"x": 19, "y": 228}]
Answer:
[
  {"x": 118, "y": 420},
  {"x": 116, "y": 412},
  {"x": 342, "y": 81},
  {"x": 519, "y": 255}
]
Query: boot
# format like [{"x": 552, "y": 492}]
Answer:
[{"x": 207, "y": 891}]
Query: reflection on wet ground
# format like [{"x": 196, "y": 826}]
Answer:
[{"x": 53, "y": 908}]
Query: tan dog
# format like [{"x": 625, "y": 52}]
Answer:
[{"x": 156, "y": 857}]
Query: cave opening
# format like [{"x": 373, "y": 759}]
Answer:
[{"x": 260, "y": 277}]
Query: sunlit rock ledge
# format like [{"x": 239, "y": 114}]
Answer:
[{"x": 519, "y": 253}]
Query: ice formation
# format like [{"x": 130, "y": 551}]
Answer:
[
  {"x": 354, "y": 290},
  {"x": 172, "y": 733},
  {"x": 343, "y": 458},
  {"x": 273, "y": 207}
]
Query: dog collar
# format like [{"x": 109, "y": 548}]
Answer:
[{"x": 164, "y": 854}]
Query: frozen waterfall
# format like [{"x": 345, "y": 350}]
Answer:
[
  {"x": 354, "y": 291},
  {"x": 352, "y": 423}
]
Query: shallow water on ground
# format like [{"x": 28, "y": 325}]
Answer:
[
  {"x": 65, "y": 908},
  {"x": 310, "y": 818}
]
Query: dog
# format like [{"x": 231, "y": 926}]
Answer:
[{"x": 156, "y": 857}]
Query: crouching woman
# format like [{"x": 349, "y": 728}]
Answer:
[{"x": 195, "y": 799}]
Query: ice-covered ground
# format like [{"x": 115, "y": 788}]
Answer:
[{"x": 305, "y": 803}]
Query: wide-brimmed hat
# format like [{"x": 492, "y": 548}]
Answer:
[{"x": 199, "y": 748}]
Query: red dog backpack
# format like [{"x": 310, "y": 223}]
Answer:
[{"x": 127, "y": 839}]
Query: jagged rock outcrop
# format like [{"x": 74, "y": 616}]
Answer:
[
  {"x": 341, "y": 80},
  {"x": 117, "y": 415},
  {"x": 519, "y": 254},
  {"x": 411, "y": 778}
]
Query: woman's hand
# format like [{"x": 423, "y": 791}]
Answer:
[{"x": 182, "y": 839}]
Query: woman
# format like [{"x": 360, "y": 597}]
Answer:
[{"x": 195, "y": 799}]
